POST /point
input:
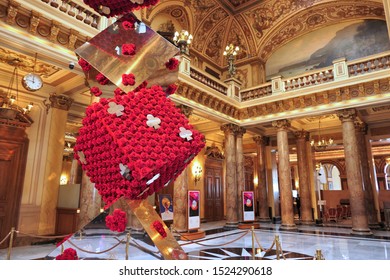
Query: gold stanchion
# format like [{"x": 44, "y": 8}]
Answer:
[
  {"x": 319, "y": 255},
  {"x": 277, "y": 247},
  {"x": 127, "y": 245},
  {"x": 62, "y": 248},
  {"x": 11, "y": 241},
  {"x": 253, "y": 242}
]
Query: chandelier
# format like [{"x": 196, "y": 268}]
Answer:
[
  {"x": 321, "y": 143},
  {"x": 10, "y": 111},
  {"x": 183, "y": 40},
  {"x": 230, "y": 52}
]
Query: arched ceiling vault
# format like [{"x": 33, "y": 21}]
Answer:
[{"x": 258, "y": 27}]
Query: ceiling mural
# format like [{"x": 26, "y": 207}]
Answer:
[{"x": 261, "y": 27}]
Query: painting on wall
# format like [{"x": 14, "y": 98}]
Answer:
[{"x": 352, "y": 40}]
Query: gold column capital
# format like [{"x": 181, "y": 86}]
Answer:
[
  {"x": 229, "y": 128},
  {"x": 261, "y": 140},
  {"x": 361, "y": 128},
  {"x": 239, "y": 131},
  {"x": 61, "y": 102},
  {"x": 185, "y": 110},
  {"x": 347, "y": 115},
  {"x": 302, "y": 134},
  {"x": 281, "y": 124}
]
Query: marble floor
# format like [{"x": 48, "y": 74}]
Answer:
[{"x": 334, "y": 241}]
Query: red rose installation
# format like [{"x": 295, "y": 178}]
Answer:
[
  {"x": 158, "y": 226},
  {"x": 117, "y": 221},
  {"x": 123, "y": 151},
  {"x": 112, "y": 8},
  {"x": 68, "y": 254}
]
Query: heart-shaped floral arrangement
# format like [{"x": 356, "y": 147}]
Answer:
[{"x": 134, "y": 144}]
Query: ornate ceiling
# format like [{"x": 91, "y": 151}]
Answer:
[{"x": 258, "y": 27}]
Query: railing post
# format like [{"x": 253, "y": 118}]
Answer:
[
  {"x": 185, "y": 65},
  {"x": 233, "y": 88},
  {"x": 340, "y": 69},
  {"x": 11, "y": 241},
  {"x": 319, "y": 255},
  {"x": 127, "y": 245},
  {"x": 277, "y": 85},
  {"x": 253, "y": 242}
]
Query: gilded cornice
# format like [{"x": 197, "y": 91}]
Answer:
[
  {"x": 31, "y": 21},
  {"x": 334, "y": 99}
]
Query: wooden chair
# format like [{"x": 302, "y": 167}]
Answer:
[{"x": 332, "y": 214}]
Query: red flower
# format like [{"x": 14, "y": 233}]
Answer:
[
  {"x": 128, "y": 49},
  {"x": 172, "y": 64},
  {"x": 171, "y": 89},
  {"x": 102, "y": 79},
  {"x": 128, "y": 25},
  {"x": 96, "y": 91},
  {"x": 84, "y": 65},
  {"x": 117, "y": 221},
  {"x": 63, "y": 240},
  {"x": 158, "y": 226},
  {"x": 128, "y": 79},
  {"x": 68, "y": 254}
]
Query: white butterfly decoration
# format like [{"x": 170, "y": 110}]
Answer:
[
  {"x": 82, "y": 157},
  {"x": 125, "y": 171},
  {"x": 153, "y": 121},
  {"x": 118, "y": 50},
  {"x": 155, "y": 177},
  {"x": 114, "y": 108},
  {"x": 185, "y": 133}
]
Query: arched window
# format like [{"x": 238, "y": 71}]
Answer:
[
  {"x": 333, "y": 180},
  {"x": 387, "y": 176}
]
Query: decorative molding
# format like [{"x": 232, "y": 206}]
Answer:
[
  {"x": 239, "y": 131},
  {"x": 61, "y": 102},
  {"x": 347, "y": 115},
  {"x": 261, "y": 140},
  {"x": 34, "y": 23},
  {"x": 282, "y": 124},
  {"x": 229, "y": 128},
  {"x": 185, "y": 110},
  {"x": 213, "y": 152},
  {"x": 302, "y": 134}
]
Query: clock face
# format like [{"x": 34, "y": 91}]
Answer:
[{"x": 32, "y": 82}]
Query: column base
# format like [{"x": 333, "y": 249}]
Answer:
[
  {"x": 265, "y": 220},
  {"x": 292, "y": 227},
  {"x": 248, "y": 225},
  {"x": 374, "y": 226},
  {"x": 307, "y": 222},
  {"x": 192, "y": 235},
  {"x": 361, "y": 232},
  {"x": 230, "y": 225}
]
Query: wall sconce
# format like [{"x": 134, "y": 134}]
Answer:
[
  {"x": 197, "y": 172},
  {"x": 63, "y": 180}
]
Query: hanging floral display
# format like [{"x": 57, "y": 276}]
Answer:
[
  {"x": 68, "y": 254},
  {"x": 112, "y": 8},
  {"x": 117, "y": 221}
]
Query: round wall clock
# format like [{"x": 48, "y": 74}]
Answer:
[{"x": 32, "y": 82}]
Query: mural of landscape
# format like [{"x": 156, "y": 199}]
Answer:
[{"x": 319, "y": 48}]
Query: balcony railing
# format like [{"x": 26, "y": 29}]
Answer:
[
  {"x": 208, "y": 81},
  {"x": 258, "y": 92}
]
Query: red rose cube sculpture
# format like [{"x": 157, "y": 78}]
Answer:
[
  {"x": 134, "y": 144},
  {"x": 118, "y": 7}
]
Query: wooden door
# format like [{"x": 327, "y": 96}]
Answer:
[
  {"x": 213, "y": 194},
  {"x": 13, "y": 154}
]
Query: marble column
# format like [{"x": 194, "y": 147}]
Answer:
[
  {"x": 180, "y": 190},
  {"x": 261, "y": 142},
  {"x": 304, "y": 177},
  {"x": 363, "y": 146},
  {"x": 354, "y": 174},
  {"x": 90, "y": 201},
  {"x": 284, "y": 174},
  {"x": 231, "y": 184},
  {"x": 239, "y": 133},
  {"x": 57, "y": 115}
]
